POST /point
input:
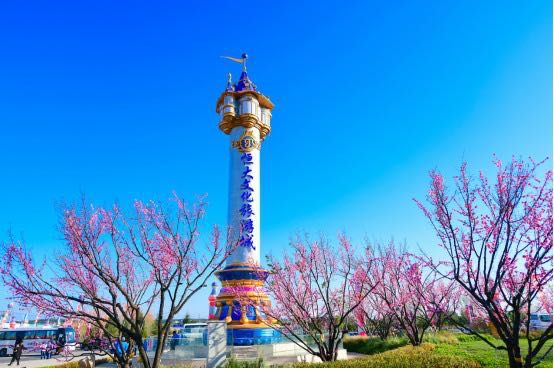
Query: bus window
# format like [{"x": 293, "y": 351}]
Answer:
[
  {"x": 29, "y": 335},
  {"x": 545, "y": 318},
  {"x": 534, "y": 317},
  {"x": 10, "y": 335},
  {"x": 2, "y": 336},
  {"x": 41, "y": 335},
  {"x": 70, "y": 335}
]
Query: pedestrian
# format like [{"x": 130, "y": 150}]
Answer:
[
  {"x": 117, "y": 347},
  {"x": 61, "y": 340},
  {"x": 120, "y": 348},
  {"x": 98, "y": 343},
  {"x": 60, "y": 344},
  {"x": 50, "y": 349},
  {"x": 174, "y": 340},
  {"x": 17, "y": 350},
  {"x": 44, "y": 350},
  {"x": 124, "y": 345}
]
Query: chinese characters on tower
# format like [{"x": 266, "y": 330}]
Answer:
[{"x": 246, "y": 223}]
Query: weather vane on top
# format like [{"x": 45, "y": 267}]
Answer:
[{"x": 241, "y": 60}]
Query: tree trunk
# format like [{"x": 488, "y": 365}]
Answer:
[
  {"x": 330, "y": 352},
  {"x": 413, "y": 337},
  {"x": 162, "y": 335},
  {"x": 336, "y": 351},
  {"x": 383, "y": 328},
  {"x": 143, "y": 356},
  {"x": 327, "y": 355},
  {"x": 158, "y": 353},
  {"x": 514, "y": 355},
  {"x": 122, "y": 362}
]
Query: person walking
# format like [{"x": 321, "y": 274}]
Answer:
[
  {"x": 50, "y": 349},
  {"x": 117, "y": 348},
  {"x": 124, "y": 345},
  {"x": 17, "y": 350},
  {"x": 44, "y": 350},
  {"x": 174, "y": 340}
]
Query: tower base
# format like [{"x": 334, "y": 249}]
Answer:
[
  {"x": 243, "y": 336},
  {"x": 241, "y": 303}
]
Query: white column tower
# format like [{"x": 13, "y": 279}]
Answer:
[{"x": 245, "y": 115}]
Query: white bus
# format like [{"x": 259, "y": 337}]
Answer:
[{"x": 34, "y": 337}]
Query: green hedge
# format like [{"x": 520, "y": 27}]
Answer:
[
  {"x": 372, "y": 345},
  {"x": 234, "y": 363},
  {"x": 404, "y": 357},
  {"x": 462, "y": 337}
]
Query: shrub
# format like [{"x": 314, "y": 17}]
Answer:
[
  {"x": 533, "y": 334},
  {"x": 372, "y": 345},
  {"x": 234, "y": 363},
  {"x": 441, "y": 337},
  {"x": 464, "y": 337},
  {"x": 405, "y": 357},
  {"x": 480, "y": 325}
]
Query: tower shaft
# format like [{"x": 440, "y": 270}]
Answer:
[{"x": 244, "y": 195}]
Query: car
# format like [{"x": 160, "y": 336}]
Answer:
[
  {"x": 191, "y": 334},
  {"x": 540, "y": 321}
]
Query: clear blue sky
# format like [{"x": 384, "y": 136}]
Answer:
[{"x": 116, "y": 100}]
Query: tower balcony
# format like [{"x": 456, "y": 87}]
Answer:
[{"x": 249, "y": 109}]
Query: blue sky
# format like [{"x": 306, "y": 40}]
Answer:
[{"x": 116, "y": 100}]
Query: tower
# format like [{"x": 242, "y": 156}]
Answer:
[{"x": 245, "y": 115}]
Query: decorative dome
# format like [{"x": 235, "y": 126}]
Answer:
[
  {"x": 244, "y": 83},
  {"x": 230, "y": 87}
]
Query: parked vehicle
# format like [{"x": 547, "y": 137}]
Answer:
[
  {"x": 539, "y": 321},
  {"x": 193, "y": 332},
  {"x": 34, "y": 337}
]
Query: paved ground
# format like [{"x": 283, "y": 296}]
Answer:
[{"x": 34, "y": 361}]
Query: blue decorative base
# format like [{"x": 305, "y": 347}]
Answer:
[
  {"x": 241, "y": 303},
  {"x": 252, "y": 336}
]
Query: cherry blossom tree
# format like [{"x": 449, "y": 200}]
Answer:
[
  {"x": 498, "y": 238},
  {"x": 115, "y": 269},
  {"x": 445, "y": 299},
  {"x": 545, "y": 299},
  {"x": 413, "y": 293},
  {"x": 374, "y": 317},
  {"x": 315, "y": 290}
]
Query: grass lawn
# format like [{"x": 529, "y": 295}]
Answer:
[
  {"x": 423, "y": 356},
  {"x": 486, "y": 355},
  {"x": 462, "y": 349}
]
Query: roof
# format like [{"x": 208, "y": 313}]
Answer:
[{"x": 244, "y": 83}]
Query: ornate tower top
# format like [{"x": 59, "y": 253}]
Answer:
[{"x": 241, "y": 104}]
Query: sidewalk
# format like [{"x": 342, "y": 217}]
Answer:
[{"x": 34, "y": 361}]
